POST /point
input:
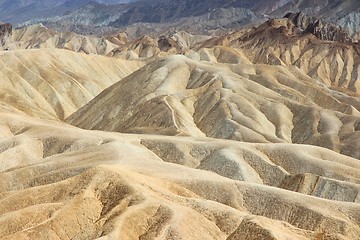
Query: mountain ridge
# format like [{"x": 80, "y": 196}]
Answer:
[
  {"x": 16, "y": 11},
  {"x": 167, "y": 14}
]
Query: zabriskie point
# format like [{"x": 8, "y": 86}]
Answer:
[{"x": 189, "y": 119}]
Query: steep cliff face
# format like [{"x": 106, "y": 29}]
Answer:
[
  {"x": 351, "y": 23},
  {"x": 321, "y": 29},
  {"x": 5, "y": 32},
  {"x": 343, "y": 13}
]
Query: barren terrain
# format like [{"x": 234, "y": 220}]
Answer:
[{"x": 249, "y": 135}]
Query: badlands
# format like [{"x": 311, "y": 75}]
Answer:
[{"x": 253, "y": 134}]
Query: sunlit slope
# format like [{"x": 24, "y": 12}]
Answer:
[
  {"x": 54, "y": 83},
  {"x": 284, "y": 42},
  {"x": 38, "y": 36},
  {"x": 244, "y": 102},
  {"x": 86, "y": 184}
]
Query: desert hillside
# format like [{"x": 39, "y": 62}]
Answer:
[
  {"x": 67, "y": 183},
  {"x": 54, "y": 83},
  {"x": 248, "y": 134}
]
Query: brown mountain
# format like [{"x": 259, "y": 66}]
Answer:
[{"x": 344, "y": 13}]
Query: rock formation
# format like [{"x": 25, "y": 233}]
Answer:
[
  {"x": 343, "y": 13},
  {"x": 5, "y": 32},
  {"x": 321, "y": 29}
]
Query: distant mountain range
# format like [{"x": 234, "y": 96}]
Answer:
[
  {"x": 18, "y": 11},
  {"x": 197, "y": 16}
]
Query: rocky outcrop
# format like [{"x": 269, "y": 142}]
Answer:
[
  {"x": 321, "y": 29},
  {"x": 350, "y": 22},
  {"x": 166, "y": 43},
  {"x": 147, "y": 47},
  {"x": 5, "y": 32},
  {"x": 342, "y": 13}
]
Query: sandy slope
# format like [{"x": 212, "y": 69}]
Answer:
[
  {"x": 53, "y": 83},
  {"x": 38, "y": 36},
  {"x": 79, "y": 184},
  {"x": 243, "y": 101}
]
